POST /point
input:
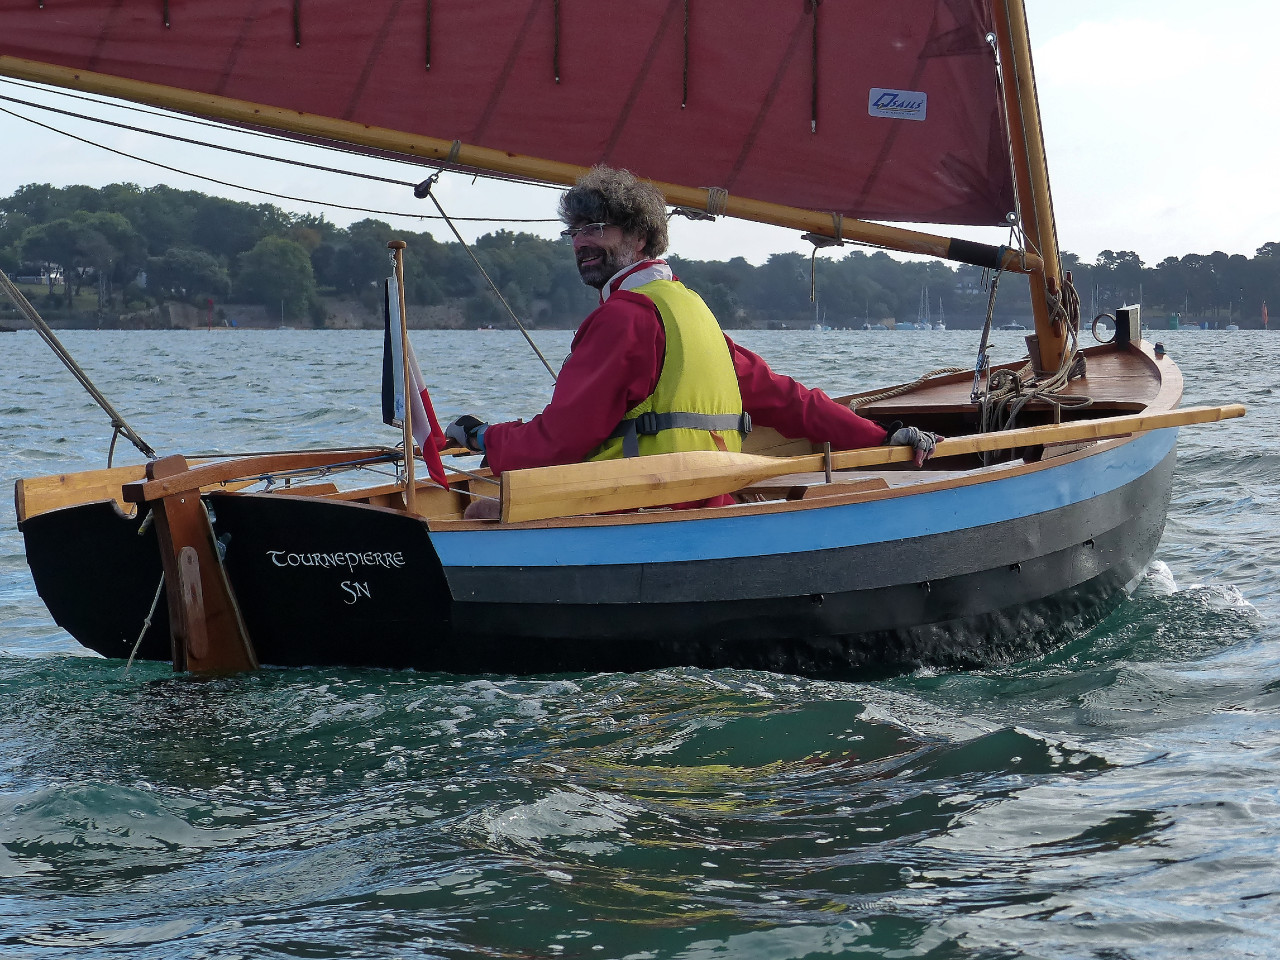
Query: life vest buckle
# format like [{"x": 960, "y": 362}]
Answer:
[{"x": 648, "y": 424}]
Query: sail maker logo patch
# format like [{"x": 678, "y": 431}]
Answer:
[{"x": 897, "y": 104}]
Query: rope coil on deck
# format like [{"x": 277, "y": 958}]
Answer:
[{"x": 1008, "y": 392}]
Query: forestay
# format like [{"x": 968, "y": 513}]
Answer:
[{"x": 882, "y": 110}]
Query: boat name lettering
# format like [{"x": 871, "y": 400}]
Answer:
[
  {"x": 355, "y": 591},
  {"x": 391, "y": 561},
  {"x": 897, "y": 104}
]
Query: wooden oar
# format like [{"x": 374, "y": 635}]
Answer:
[{"x": 543, "y": 493}]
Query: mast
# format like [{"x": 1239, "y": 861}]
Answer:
[{"x": 1031, "y": 173}]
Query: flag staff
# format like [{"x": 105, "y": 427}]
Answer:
[{"x": 397, "y": 255}]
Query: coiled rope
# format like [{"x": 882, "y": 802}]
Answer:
[{"x": 1008, "y": 392}]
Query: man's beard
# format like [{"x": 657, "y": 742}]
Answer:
[{"x": 602, "y": 265}]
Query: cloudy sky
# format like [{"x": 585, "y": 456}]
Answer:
[{"x": 1161, "y": 133}]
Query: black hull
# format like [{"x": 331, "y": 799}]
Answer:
[{"x": 330, "y": 583}]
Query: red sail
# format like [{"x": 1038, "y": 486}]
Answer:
[{"x": 884, "y": 110}]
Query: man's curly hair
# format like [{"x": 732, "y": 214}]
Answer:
[{"x": 606, "y": 195}]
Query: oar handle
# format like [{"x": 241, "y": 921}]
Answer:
[{"x": 1104, "y": 428}]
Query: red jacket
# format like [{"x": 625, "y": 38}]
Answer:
[{"x": 616, "y": 358}]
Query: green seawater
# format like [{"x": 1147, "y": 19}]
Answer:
[{"x": 1115, "y": 799}]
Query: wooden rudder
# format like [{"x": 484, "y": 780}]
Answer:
[{"x": 205, "y": 626}]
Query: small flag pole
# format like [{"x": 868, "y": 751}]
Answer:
[{"x": 410, "y": 491}]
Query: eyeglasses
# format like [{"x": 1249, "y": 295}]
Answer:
[{"x": 588, "y": 231}]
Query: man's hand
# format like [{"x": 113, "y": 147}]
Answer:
[
  {"x": 921, "y": 441},
  {"x": 467, "y": 431}
]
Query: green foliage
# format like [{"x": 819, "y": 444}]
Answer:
[
  {"x": 277, "y": 274},
  {"x": 57, "y": 242},
  {"x": 193, "y": 246},
  {"x": 360, "y": 259},
  {"x": 186, "y": 274}
]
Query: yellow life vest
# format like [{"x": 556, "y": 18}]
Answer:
[{"x": 696, "y": 400}]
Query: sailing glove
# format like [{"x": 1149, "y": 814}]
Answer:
[
  {"x": 921, "y": 441},
  {"x": 467, "y": 431}
]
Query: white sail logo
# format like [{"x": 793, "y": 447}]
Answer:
[{"x": 897, "y": 104}]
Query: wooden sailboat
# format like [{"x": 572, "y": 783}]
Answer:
[{"x": 819, "y": 117}]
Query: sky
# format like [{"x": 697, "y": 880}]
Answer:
[{"x": 1161, "y": 135}]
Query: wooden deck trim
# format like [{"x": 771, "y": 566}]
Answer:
[
  {"x": 34, "y": 496},
  {"x": 37, "y": 495}
]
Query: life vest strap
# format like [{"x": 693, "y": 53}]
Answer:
[{"x": 650, "y": 423}]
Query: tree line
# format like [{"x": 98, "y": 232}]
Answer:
[{"x": 129, "y": 248}]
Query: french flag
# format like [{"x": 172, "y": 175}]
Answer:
[{"x": 427, "y": 434}]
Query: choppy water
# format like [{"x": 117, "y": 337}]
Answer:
[{"x": 1117, "y": 799}]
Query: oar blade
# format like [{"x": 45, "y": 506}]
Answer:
[{"x": 572, "y": 489}]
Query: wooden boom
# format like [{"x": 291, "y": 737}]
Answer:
[
  {"x": 543, "y": 493},
  {"x": 508, "y": 164}
]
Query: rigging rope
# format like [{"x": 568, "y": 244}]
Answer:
[
  {"x": 146, "y": 622},
  {"x": 261, "y": 134},
  {"x": 1008, "y": 392},
  {"x": 117, "y": 422},
  {"x": 240, "y": 152},
  {"x": 813, "y": 65},
  {"x": 904, "y": 388},
  {"x": 424, "y": 190},
  {"x": 819, "y": 241},
  {"x": 684, "y": 80},
  {"x": 555, "y": 49}
]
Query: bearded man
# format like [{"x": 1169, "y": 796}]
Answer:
[{"x": 650, "y": 370}]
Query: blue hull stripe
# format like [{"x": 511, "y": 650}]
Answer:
[{"x": 855, "y": 524}]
